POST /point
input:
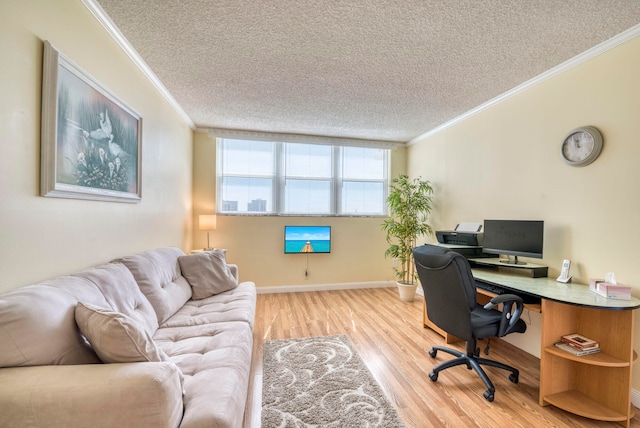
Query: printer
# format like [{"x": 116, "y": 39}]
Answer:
[{"x": 468, "y": 234}]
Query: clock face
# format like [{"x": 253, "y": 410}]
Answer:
[
  {"x": 578, "y": 146},
  {"x": 582, "y": 146}
]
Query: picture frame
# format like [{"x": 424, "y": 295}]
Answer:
[{"x": 91, "y": 142}]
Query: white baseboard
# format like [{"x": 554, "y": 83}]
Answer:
[
  {"x": 324, "y": 287},
  {"x": 635, "y": 398}
]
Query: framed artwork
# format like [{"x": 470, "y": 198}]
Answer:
[{"x": 90, "y": 140}]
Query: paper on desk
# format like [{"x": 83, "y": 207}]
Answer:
[{"x": 469, "y": 226}]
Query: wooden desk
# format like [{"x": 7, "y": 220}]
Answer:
[{"x": 596, "y": 386}]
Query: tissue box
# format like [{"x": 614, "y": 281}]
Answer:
[{"x": 610, "y": 291}]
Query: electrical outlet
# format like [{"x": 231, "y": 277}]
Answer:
[{"x": 395, "y": 263}]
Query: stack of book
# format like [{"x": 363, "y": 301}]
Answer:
[{"x": 578, "y": 345}]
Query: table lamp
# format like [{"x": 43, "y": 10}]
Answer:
[{"x": 207, "y": 222}]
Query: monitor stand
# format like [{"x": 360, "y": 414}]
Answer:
[
  {"x": 528, "y": 269},
  {"x": 513, "y": 262}
]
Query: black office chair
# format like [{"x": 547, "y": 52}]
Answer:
[{"x": 450, "y": 296}]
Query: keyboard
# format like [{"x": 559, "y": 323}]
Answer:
[{"x": 490, "y": 288}]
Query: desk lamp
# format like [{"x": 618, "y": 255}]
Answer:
[{"x": 207, "y": 222}]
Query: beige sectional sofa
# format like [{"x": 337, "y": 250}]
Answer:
[{"x": 57, "y": 336}]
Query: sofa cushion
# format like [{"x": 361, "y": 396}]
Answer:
[
  {"x": 37, "y": 327},
  {"x": 238, "y": 304},
  {"x": 115, "y": 337},
  {"x": 157, "y": 273},
  {"x": 216, "y": 362},
  {"x": 120, "y": 293},
  {"x": 37, "y": 322},
  {"x": 207, "y": 273}
]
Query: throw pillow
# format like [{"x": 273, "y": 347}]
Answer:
[
  {"x": 207, "y": 273},
  {"x": 115, "y": 337}
]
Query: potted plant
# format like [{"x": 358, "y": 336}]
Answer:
[{"x": 409, "y": 204}]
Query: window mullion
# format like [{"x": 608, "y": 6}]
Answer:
[
  {"x": 219, "y": 173},
  {"x": 279, "y": 179},
  {"x": 336, "y": 181}
]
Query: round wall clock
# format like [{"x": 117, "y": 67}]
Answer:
[{"x": 582, "y": 146}]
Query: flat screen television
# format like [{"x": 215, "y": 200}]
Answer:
[
  {"x": 522, "y": 238},
  {"x": 307, "y": 239}
]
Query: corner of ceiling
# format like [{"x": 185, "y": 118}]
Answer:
[
  {"x": 585, "y": 56},
  {"x": 122, "y": 41}
]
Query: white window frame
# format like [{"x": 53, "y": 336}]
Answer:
[{"x": 279, "y": 180}]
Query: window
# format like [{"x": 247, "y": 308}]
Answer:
[
  {"x": 307, "y": 178},
  {"x": 249, "y": 174},
  {"x": 363, "y": 185},
  {"x": 271, "y": 178}
]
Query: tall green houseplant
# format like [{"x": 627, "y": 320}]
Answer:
[{"x": 409, "y": 204}]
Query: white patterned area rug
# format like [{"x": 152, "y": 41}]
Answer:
[{"x": 321, "y": 382}]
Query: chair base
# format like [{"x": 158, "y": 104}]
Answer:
[{"x": 472, "y": 362}]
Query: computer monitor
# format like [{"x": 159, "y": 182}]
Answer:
[{"x": 513, "y": 238}]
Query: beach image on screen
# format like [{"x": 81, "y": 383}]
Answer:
[{"x": 307, "y": 239}]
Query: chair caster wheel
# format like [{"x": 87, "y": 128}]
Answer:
[
  {"x": 514, "y": 378},
  {"x": 433, "y": 376},
  {"x": 488, "y": 395},
  {"x": 433, "y": 353}
]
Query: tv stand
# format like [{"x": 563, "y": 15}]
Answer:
[{"x": 527, "y": 269}]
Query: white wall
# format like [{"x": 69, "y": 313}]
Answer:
[
  {"x": 44, "y": 237},
  {"x": 505, "y": 163}
]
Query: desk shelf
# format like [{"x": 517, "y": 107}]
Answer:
[
  {"x": 597, "y": 386},
  {"x": 527, "y": 269},
  {"x": 580, "y": 404},
  {"x": 598, "y": 359}
]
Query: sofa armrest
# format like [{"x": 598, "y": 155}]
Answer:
[
  {"x": 96, "y": 395},
  {"x": 234, "y": 270}
]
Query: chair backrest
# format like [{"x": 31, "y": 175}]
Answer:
[{"x": 449, "y": 288}]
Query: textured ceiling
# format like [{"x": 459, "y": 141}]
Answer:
[{"x": 383, "y": 70}]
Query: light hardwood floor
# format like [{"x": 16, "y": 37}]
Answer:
[{"x": 391, "y": 340}]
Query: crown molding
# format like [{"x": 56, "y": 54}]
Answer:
[
  {"x": 301, "y": 138},
  {"x": 122, "y": 41},
  {"x": 603, "y": 47},
  {"x": 585, "y": 56}
]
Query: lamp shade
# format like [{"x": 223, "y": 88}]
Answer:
[{"x": 207, "y": 222}]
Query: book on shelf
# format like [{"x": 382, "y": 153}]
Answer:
[
  {"x": 582, "y": 348},
  {"x": 580, "y": 342},
  {"x": 577, "y": 352}
]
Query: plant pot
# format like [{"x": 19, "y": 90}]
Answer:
[{"x": 407, "y": 291}]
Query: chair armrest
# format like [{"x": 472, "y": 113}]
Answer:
[
  {"x": 96, "y": 395},
  {"x": 508, "y": 300},
  {"x": 501, "y": 298}
]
